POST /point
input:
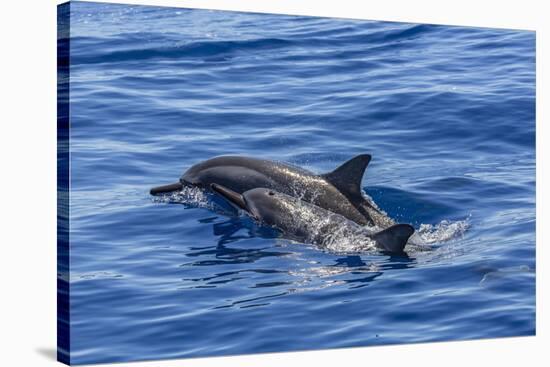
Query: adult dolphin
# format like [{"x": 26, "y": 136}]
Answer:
[
  {"x": 308, "y": 223},
  {"x": 338, "y": 191}
]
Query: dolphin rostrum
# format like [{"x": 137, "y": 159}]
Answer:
[
  {"x": 338, "y": 191},
  {"x": 308, "y": 223}
]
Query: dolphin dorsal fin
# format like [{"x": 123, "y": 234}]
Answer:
[
  {"x": 394, "y": 238},
  {"x": 347, "y": 178}
]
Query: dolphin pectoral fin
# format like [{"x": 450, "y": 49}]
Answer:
[
  {"x": 394, "y": 238},
  {"x": 347, "y": 178},
  {"x": 231, "y": 196},
  {"x": 166, "y": 188}
]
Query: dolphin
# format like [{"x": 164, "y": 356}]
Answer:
[
  {"x": 308, "y": 223},
  {"x": 338, "y": 191}
]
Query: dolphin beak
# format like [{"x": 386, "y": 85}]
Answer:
[
  {"x": 233, "y": 197},
  {"x": 166, "y": 188}
]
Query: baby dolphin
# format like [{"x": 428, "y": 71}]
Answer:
[
  {"x": 308, "y": 223},
  {"x": 338, "y": 191}
]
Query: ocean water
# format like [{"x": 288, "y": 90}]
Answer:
[{"x": 448, "y": 114}]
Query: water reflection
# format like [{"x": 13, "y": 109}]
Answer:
[
  {"x": 286, "y": 267},
  {"x": 231, "y": 230},
  {"x": 266, "y": 264}
]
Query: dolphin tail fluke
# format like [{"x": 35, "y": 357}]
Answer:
[{"x": 394, "y": 238}]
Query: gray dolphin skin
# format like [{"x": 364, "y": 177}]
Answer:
[
  {"x": 338, "y": 191},
  {"x": 308, "y": 223}
]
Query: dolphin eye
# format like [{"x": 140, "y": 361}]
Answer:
[{"x": 271, "y": 193}]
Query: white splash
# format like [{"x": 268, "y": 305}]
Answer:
[
  {"x": 444, "y": 231},
  {"x": 189, "y": 195}
]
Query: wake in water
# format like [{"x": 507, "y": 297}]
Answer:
[
  {"x": 425, "y": 238},
  {"x": 444, "y": 231},
  {"x": 340, "y": 240}
]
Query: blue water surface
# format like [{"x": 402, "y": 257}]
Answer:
[{"x": 448, "y": 114}]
